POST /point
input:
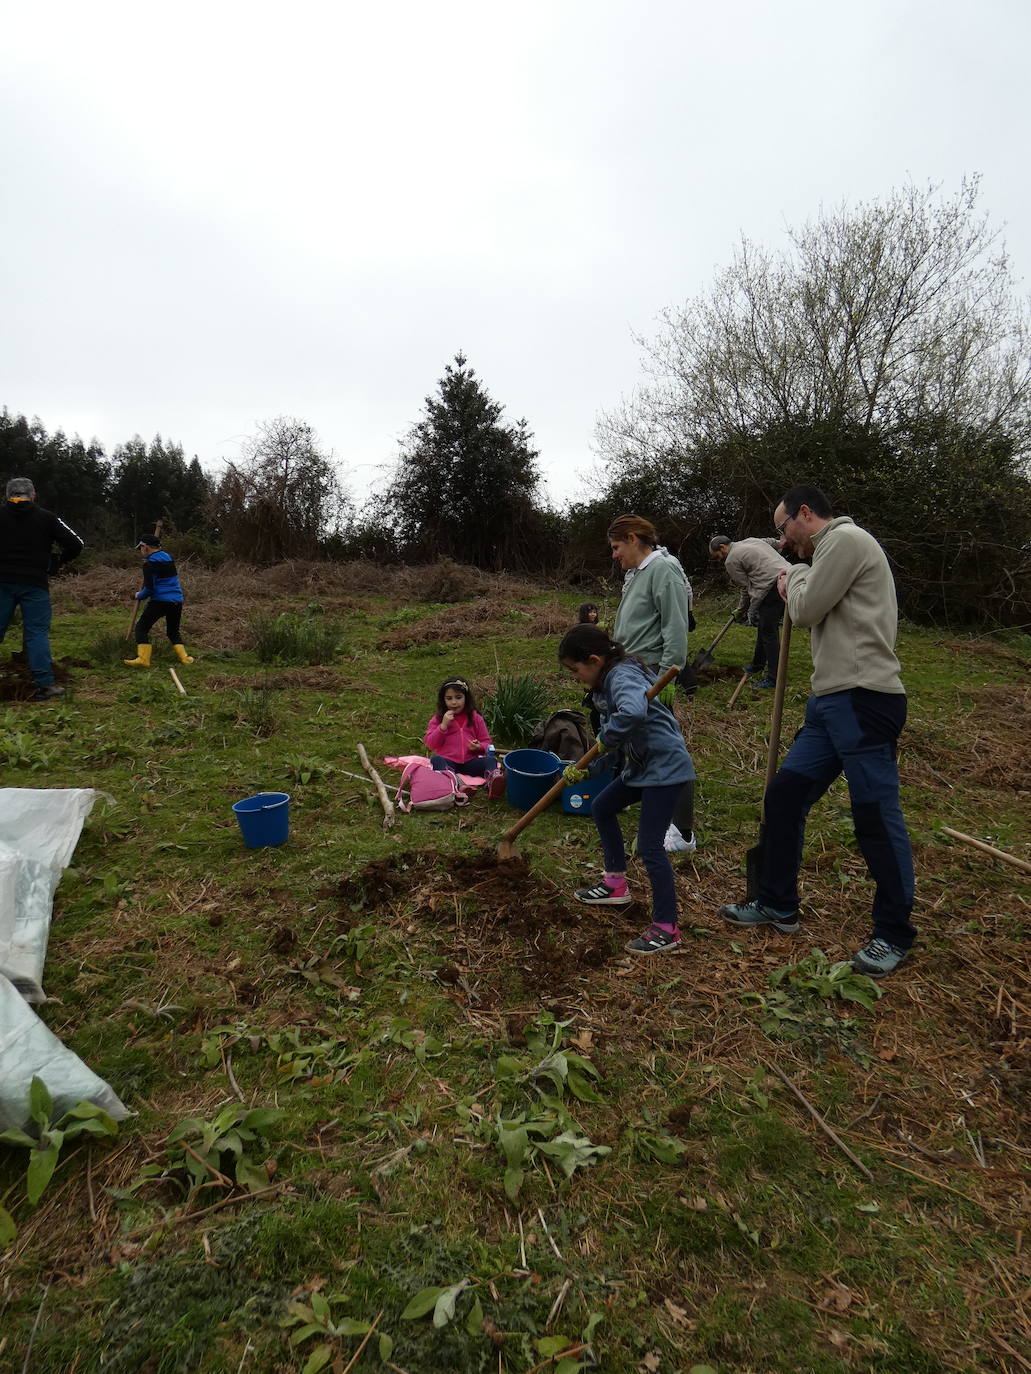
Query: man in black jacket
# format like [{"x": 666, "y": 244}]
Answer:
[{"x": 27, "y": 538}]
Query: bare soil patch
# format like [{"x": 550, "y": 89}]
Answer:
[
  {"x": 16, "y": 682},
  {"x": 505, "y": 930}
]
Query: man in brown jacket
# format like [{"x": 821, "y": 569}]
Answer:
[
  {"x": 852, "y": 723},
  {"x": 754, "y": 565}
]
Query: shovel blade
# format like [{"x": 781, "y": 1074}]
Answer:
[{"x": 703, "y": 659}]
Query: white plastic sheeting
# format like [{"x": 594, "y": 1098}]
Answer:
[
  {"x": 29, "y": 1049},
  {"x": 39, "y": 830}
]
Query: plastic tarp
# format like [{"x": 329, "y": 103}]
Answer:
[
  {"x": 29, "y": 1049},
  {"x": 39, "y": 830}
]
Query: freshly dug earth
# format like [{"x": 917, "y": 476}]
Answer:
[
  {"x": 16, "y": 682},
  {"x": 504, "y": 930}
]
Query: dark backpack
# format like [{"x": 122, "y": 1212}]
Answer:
[{"x": 565, "y": 734}]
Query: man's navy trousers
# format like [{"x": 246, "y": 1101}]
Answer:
[{"x": 855, "y": 732}]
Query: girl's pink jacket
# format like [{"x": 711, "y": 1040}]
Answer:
[{"x": 454, "y": 742}]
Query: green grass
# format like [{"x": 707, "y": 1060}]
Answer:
[{"x": 762, "y": 1248}]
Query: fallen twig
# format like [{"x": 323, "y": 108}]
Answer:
[
  {"x": 381, "y": 791},
  {"x": 828, "y": 1130},
  {"x": 204, "y": 1211},
  {"x": 89, "y": 1183},
  {"x": 556, "y": 1306},
  {"x": 35, "y": 1324},
  {"x": 365, "y": 1341},
  {"x": 737, "y": 690},
  {"x": 560, "y": 1355},
  {"x": 551, "y": 1240}
]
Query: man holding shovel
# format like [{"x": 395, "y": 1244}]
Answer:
[
  {"x": 852, "y": 723},
  {"x": 754, "y": 565}
]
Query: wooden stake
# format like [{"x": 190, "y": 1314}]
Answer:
[
  {"x": 381, "y": 791},
  {"x": 988, "y": 849},
  {"x": 737, "y": 690},
  {"x": 175, "y": 679},
  {"x": 820, "y": 1121}
]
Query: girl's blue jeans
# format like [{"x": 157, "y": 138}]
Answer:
[{"x": 657, "y": 805}]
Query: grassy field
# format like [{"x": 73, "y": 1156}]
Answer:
[{"x": 496, "y": 1142}]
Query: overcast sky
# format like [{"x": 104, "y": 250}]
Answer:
[{"x": 217, "y": 213}]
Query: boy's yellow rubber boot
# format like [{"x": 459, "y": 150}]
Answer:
[
  {"x": 142, "y": 659},
  {"x": 181, "y": 654}
]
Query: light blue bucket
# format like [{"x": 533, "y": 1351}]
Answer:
[{"x": 264, "y": 819}]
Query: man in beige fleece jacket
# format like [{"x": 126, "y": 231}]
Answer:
[
  {"x": 754, "y": 565},
  {"x": 852, "y": 723}
]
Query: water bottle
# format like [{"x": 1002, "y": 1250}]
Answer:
[{"x": 492, "y": 758}]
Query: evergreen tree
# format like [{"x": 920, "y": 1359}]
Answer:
[
  {"x": 70, "y": 477},
  {"x": 154, "y": 482},
  {"x": 466, "y": 483}
]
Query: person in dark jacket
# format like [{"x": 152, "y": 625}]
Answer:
[
  {"x": 164, "y": 595},
  {"x": 28, "y": 534}
]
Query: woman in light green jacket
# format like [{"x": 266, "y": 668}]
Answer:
[{"x": 651, "y": 622}]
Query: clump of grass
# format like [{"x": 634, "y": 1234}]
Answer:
[
  {"x": 110, "y": 647},
  {"x": 303, "y": 639},
  {"x": 257, "y": 709},
  {"x": 515, "y": 708}
]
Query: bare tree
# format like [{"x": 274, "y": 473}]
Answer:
[
  {"x": 283, "y": 498},
  {"x": 884, "y": 315}
]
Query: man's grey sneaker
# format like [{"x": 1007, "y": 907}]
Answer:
[
  {"x": 878, "y": 958},
  {"x": 750, "y": 668},
  {"x": 674, "y": 843},
  {"x": 48, "y": 693},
  {"x": 655, "y": 940},
  {"x": 603, "y": 895},
  {"x": 766, "y": 682},
  {"x": 756, "y": 914}
]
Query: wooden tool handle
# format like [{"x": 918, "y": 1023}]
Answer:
[
  {"x": 988, "y": 849},
  {"x": 722, "y": 632},
  {"x": 592, "y": 753},
  {"x": 737, "y": 690},
  {"x": 778, "y": 700}
]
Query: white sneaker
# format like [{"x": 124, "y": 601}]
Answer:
[{"x": 674, "y": 843}]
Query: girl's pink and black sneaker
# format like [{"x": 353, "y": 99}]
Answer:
[
  {"x": 609, "y": 892},
  {"x": 655, "y": 940}
]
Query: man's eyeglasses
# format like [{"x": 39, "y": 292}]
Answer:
[{"x": 783, "y": 525}]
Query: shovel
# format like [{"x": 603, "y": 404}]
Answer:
[
  {"x": 507, "y": 849},
  {"x": 754, "y": 857},
  {"x": 703, "y": 658}
]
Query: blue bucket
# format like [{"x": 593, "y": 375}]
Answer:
[
  {"x": 528, "y": 775},
  {"x": 576, "y": 799},
  {"x": 264, "y": 819}
]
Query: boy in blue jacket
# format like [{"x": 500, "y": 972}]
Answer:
[
  {"x": 164, "y": 595},
  {"x": 655, "y": 767}
]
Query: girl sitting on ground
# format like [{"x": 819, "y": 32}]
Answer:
[
  {"x": 457, "y": 736},
  {"x": 655, "y": 766}
]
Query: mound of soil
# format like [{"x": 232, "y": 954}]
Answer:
[
  {"x": 16, "y": 682},
  {"x": 506, "y": 930}
]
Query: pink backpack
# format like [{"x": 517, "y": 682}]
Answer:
[{"x": 429, "y": 790}]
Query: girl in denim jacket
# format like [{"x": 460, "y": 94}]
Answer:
[{"x": 655, "y": 766}]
